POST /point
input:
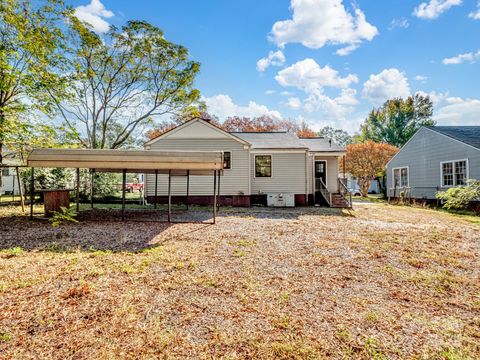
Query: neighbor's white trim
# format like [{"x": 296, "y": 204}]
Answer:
[
  {"x": 442, "y": 185},
  {"x": 393, "y": 176},
  {"x": 188, "y": 123},
  {"x": 255, "y": 166}
]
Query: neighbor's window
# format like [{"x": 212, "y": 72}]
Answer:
[
  {"x": 227, "y": 160},
  {"x": 400, "y": 177},
  {"x": 460, "y": 172},
  {"x": 263, "y": 166},
  {"x": 454, "y": 173}
]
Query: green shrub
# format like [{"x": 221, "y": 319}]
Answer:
[
  {"x": 461, "y": 197},
  {"x": 65, "y": 215}
]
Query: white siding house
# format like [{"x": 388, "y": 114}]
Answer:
[{"x": 259, "y": 164}]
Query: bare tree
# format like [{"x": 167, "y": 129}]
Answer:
[{"x": 120, "y": 83}]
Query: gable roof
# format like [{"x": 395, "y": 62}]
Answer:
[
  {"x": 272, "y": 140},
  {"x": 467, "y": 134},
  {"x": 191, "y": 122},
  {"x": 320, "y": 144},
  {"x": 263, "y": 140}
]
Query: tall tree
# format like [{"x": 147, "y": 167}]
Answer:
[
  {"x": 31, "y": 53},
  {"x": 397, "y": 120},
  {"x": 120, "y": 83},
  {"x": 366, "y": 161},
  {"x": 341, "y": 137}
]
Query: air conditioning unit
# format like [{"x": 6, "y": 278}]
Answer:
[{"x": 281, "y": 200}]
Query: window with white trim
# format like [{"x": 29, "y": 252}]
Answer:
[
  {"x": 227, "y": 160},
  {"x": 400, "y": 177},
  {"x": 454, "y": 173},
  {"x": 263, "y": 166}
]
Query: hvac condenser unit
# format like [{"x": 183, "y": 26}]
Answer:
[{"x": 281, "y": 199}]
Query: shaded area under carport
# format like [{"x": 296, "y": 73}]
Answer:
[{"x": 173, "y": 163}]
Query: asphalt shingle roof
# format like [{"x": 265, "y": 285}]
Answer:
[
  {"x": 322, "y": 144},
  {"x": 286, "y": 140},
  {"x": 271, "y": 140},
  {"x": 467, "y": 134}
]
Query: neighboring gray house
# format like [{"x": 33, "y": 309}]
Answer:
[
  {"x": 275, "y": 168},
  {"x": 435, "y": 158}
]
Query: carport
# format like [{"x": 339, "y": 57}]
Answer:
[{"x": 172, "y": 163}]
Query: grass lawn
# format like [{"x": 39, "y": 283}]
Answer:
[{"x": 380, "y": 282}]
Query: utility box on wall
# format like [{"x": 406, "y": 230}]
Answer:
[{"x": 281, "y": 200}]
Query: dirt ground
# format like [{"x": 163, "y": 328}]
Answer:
[{"x": 381, "y": 282}]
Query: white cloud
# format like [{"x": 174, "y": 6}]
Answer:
[
  {"x": 223, "y": 106},
  {"x": 270, "y": 92},
  {"x": 399, "y": 23},
  {"x": 458, "y": 111},
  {"x": 467, "y": 57},
  {"x": 312, "y": 79},
  {"x": 453, "y": 110},
  {"x": 294, "y": 103},
  {"x": 421, "y": 78},
  {"x": 434, "y": 8},
  {"x": 94, "y": 14},
  {"x": 346, "y": 50},
  {"x": 276, "y": 58},
  {"x": 316, "y": 23},
  {"x": 347, "y": 97},
  {"x": 286, "y": 93},
  {"x": 475, "y": 15},
  {"x": 436, "y": 97},
  {"x": 388, "y": 84},
  {"x": 308, "y": 76}
]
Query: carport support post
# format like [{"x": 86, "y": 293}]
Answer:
[
  {"x": 78, "y": 190},
  {"x": 188, "y": 187},
  {"x": 124, "y": 185},
  {"x": 156, "y": 189},
  {"x": 20, "y": 190},
  {"x": 169, "y": 195},
  {"x": 32, "y": 191},
  {"x": 214, "y": 195},
  {"x": 92, "y": 181},
  {"x": 218, "y": 191}
]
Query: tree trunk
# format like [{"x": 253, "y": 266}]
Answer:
[{"x": 364, "y": 185}]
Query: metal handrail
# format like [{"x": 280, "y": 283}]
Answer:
[
  {"x": 324, "y": 191},
  {"x": 345, "y": 190}
]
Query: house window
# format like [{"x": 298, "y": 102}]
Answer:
[
  {"x": 447, "y": 174},
  {"x": 5, "y": 172},
  {"x": 460, "y": 172},
  {"x": 400, "y": 177},
  {"x": 454, "y": 173},
  {"x": 263, "y": 166},
  {"x": 227, "y": 160}
]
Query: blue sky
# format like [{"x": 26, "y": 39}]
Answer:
[{"x": 327, "y": 62}]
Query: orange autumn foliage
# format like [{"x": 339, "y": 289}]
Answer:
[{"x": 367, "y": 160}]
